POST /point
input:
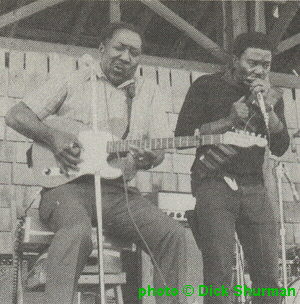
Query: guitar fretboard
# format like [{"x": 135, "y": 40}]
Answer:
[{"x": 164, "y": 143}]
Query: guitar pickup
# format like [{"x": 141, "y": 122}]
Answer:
[
  {"x": 217, "y": 156},
  {"x": 227, "y": 150}
]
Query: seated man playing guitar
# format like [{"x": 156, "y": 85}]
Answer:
[{"x": 54, "y": 117}]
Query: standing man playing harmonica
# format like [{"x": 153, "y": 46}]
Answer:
[
  {"x": 228, "y": 181},
  {"x": 126, "y": 106}
]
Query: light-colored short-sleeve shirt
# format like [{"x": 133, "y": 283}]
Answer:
[{"x": 71, "y": 98}]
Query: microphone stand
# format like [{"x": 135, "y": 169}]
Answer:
[
  {"x": 98, "y": 195},
  {"x": 279, "y": 174},
  {"x": 281, "y": 171}
]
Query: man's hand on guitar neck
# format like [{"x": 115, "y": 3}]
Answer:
[
  {"x": 66, "y": 148},
  {"x": 146, "y": 159},
  {"x": 137, "y": 159}
]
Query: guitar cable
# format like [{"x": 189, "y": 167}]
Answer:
[
  {"x": 138, "y": 230},
  {"x": 127, "y": 202},
  {"x": 17, "y": 253}
]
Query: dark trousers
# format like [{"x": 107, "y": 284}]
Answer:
[
  {"x": 222, "y": 211},
  {"x": 69, "y": 211}
]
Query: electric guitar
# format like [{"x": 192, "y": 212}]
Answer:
[{"x": 98, "y": 146}]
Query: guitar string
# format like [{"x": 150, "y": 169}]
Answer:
[{"x": 127, "y": 200}]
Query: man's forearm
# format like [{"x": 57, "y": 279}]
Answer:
[
  {"x": 275, "y": 125},
  {"x": 215, "y": 127},
  {"x": 24, "y": 121}
]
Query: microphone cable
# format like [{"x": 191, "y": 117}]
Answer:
[
  {"x": 265, "y": 115},
  {"x": 138, "y": 230}
]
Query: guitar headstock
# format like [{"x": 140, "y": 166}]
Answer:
[{"x": 244, "y": 139}]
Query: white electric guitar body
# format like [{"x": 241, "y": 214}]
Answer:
[
  {"x": 97, "y": 146},
  {"x": 47, "y": 172}
]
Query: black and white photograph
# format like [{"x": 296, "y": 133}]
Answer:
[{"x": 149, "y": 152}]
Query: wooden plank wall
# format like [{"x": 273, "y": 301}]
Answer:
[{"x": 22, "y": 72}]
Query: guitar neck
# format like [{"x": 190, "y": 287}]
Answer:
[{"x": 164, "y": 143}]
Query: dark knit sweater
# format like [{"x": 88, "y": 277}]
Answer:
[{"x": 209, "y": 99}]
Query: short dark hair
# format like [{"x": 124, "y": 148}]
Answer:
[
  {"x": 251, "y": 40},
  {"x": 109, "y": 30}
]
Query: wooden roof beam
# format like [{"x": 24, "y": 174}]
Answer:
[
  {"x": 190, "y": 31},
  {"x": 193, "y": 19},
  {"x": 80, "y": 22},
  {"x": 288, "y": 43},
  {"x": 26, "y": 11},
  {"x": 287, "y": 13},
  {"x": 38, "y": 34},
  {"x": 13, "y": 27}
]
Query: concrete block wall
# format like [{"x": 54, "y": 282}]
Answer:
[
  {"x": 292, "y": 163},
  {"x": 21, "y": 72}
]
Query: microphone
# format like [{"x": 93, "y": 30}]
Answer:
[{"x": 262, "y": 106}]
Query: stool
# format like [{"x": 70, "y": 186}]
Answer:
[{"x": 37, "y": 238}]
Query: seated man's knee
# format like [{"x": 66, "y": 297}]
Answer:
[
  {"x": 83, "y": 230},
  {"x": 177, "y": 236},
  {"x": 80, "y": 232},
  {"x": 66, "y": 217}
]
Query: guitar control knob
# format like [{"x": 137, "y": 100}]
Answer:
[
  {"x": 47, "y": 171},
  {"x": 178, "y": 215}
]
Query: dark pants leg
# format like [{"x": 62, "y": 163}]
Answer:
[
  {"x": 216, "y": 208},
  {"x": 69, "y": 210},
  {"x": 220, "y": 211},
  {"x": 257, "y": 232}
]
